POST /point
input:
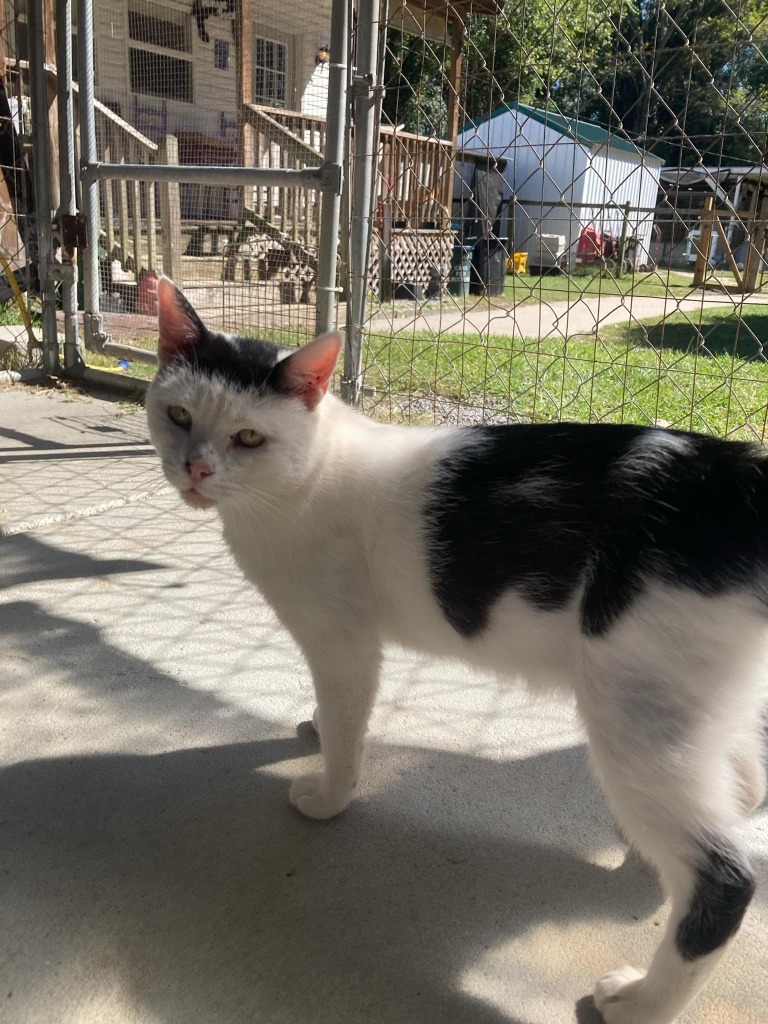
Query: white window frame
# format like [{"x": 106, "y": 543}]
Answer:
[{"x": 264, "y": 99}]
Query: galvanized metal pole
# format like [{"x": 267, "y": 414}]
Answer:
[
  {"x": 74, "y": 357},
  {"x": 328, "y": 248},
  {"x": 38, "y": 88},
  {"x": 365, "y": 94},
  {"x": 89, "y": 199}
]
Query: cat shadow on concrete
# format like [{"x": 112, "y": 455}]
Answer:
[
  {"x": 182, "y": 887},
  {"x": 185, "y": 883}
]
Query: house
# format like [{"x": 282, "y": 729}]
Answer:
[
  {"x": 740, "y": 195},
  {"x": 567, "y": 175},
  {"x": 169, "y": 66}
]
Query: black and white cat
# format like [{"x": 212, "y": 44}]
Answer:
[{"x": 625, "y": 565}]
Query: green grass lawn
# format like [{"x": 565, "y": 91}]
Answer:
[
  {"x": 641, "y": 374},
  {"x": 527, "y": 288},
  {"x": 705, "y": 373}
]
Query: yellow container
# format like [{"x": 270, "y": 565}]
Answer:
[{"x": 520, "y": 262}]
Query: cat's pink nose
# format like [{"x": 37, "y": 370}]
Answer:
[{"x": 198, "y": 469}]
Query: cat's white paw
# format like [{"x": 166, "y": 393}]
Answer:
[
  {"x": 316, "y": 720},
  {"x": 312, "y": 795},
  {"x": 621, "y": 998}
]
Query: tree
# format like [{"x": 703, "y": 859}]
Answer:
[{"x": 687, "y": 80}]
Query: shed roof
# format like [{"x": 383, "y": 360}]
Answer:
[{"x": 585, "y": 132}]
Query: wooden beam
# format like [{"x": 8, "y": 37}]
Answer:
[
  {"x": 49, "y": 57},
  {"x": 755, "y": 240},
  {"x": 283, "y": 137},
  {"x": 705, "y": 240},
  {"x": 244, "y": 88},
  {"x": 728, "y": 251},
  {"x": 454, "y": 79}
]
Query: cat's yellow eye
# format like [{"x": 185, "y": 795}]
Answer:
[
  {"x": 180, "y": 416},
  {"x": 249, "y": 438}
]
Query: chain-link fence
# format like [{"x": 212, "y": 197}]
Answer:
[
  {"x": 158, "y": 90},
  {"x": 551, "y": 210},
  {"x": 18, "y": 235},
  {"x": 570, "y": 214}
]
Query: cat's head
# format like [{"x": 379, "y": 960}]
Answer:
[{"x": 232, "y": 417}]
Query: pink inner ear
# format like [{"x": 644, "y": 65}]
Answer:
[
  {"x": 308, "y": 371},
  {"x": 180, "y": 327}
]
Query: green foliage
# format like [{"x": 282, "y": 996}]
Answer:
[{"x": 686, "y": 79}]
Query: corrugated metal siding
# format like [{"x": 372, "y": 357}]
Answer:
[
  {"x": 619, "y": 178},
  {"x": 547, "y": 167}
]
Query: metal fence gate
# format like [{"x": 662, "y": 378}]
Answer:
[
  {"x": 517, "y": 209},
  {"x": 137, "y": 173}
]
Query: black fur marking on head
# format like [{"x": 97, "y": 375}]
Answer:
[
  {"x": 552, "y": 509},
  {"x": 724, "y": 888},
  {"x": 244, "y": 362}
]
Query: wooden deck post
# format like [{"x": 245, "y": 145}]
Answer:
[
  {"x": 49, "y": 55},
  {"x": 170, "y": 212},
  {"x": 244, "y": 84},
  {"x": 456, "y": 26},
  {"x": 705, "y": 240},
  {"x": 755, "y": 241}
]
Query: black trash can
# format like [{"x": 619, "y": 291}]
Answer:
[{"x": 489, "y": 262}]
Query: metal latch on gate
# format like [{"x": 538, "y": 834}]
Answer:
[{"x": 74, "y": 231}]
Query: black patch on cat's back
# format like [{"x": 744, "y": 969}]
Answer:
[
  {"x": 546, "y": 510},
  {"x": 243, "y": 362},
  {"x": 510, "y": 509},
  {"x": 722, "y": 892}
]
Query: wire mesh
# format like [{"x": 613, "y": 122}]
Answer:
[
  {"x": 571, "y": 210},
  {"x": 18, "y": 276},
  {"x": 569, "y": 207},
  {"x": 186, "y": 82},
  {"x": 205, "y": 89}
]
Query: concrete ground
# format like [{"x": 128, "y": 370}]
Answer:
[{"x": 151, "y": 868}]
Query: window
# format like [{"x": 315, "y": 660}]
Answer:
[
  {"x": 221, "y": 54},
  {"x": 160, "y": 55},
  {"x": 269, "y": 72}
]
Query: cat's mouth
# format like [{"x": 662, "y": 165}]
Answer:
[{"x": 194, "y": 498}]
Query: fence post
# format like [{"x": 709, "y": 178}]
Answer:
[
  {"x": 42, "y": 167},
  {"x": 328, "y": 242},
  {"x": 95, "y": 337},
  {"x": 365, "y": 93},
  {"x": 74, "y": 355},
  {"x": 623, "y": 241},
  {"x": 705, "y": 240},
  {"x": 170, "y": 211}
]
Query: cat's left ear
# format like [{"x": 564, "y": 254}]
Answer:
[
  {"x": 180, "y": 327},
  {"x": 307, "y": 372}
]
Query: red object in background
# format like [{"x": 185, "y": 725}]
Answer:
[
  {"x": 146, "y": 297},
  {"x": 590, "y": 245}
]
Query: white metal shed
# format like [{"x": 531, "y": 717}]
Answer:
[{"x": 568, "y": 174}]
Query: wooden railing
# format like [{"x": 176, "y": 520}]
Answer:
[
  {"x": 128, "y": 208},
  {"x": 415, "y": 178},
  {"x": 286, "y": 138}
]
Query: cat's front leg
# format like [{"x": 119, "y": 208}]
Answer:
[{"x": 345, "y": 681}]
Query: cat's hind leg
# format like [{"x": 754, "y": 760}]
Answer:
[{"x": 671, "y": 782}]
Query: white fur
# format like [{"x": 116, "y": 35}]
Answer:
[{"x": 325, "y": 520}]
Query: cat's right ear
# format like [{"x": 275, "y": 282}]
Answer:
[{"x": 180, "y": 326}]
